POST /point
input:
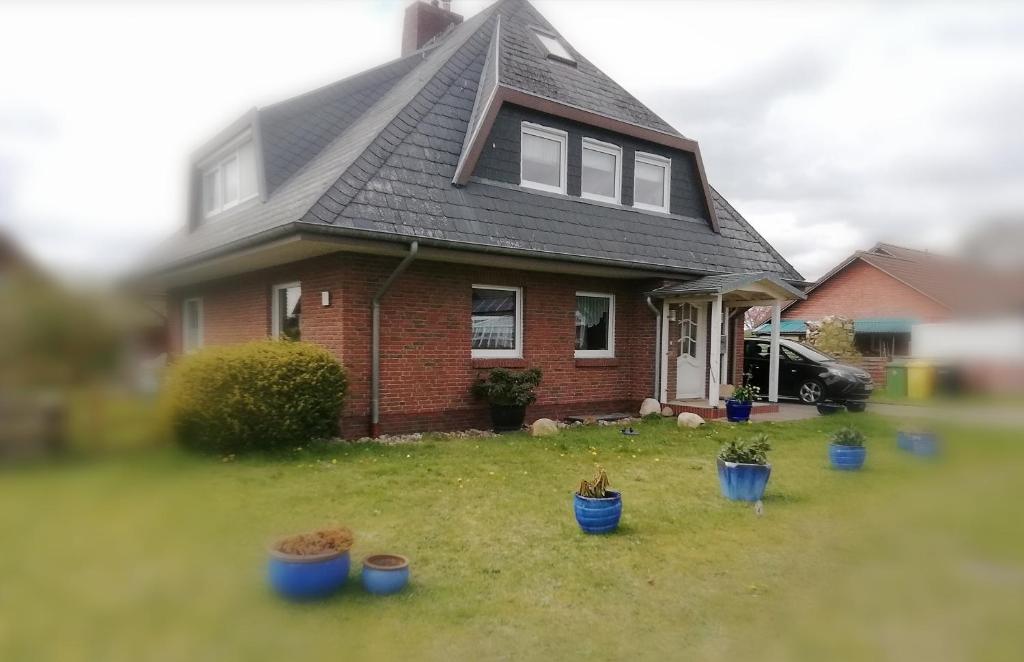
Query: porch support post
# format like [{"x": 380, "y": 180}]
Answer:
[
  {"x": 715, "y": 351},
  {"x": 663, "y": 396},
  {"x": 773, "y": 359}
]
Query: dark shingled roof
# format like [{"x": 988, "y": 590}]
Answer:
[
  {"x": 723, "y": 284},
  {"x": 374, "y": 156}
]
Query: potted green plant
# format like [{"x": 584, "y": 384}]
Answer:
[
  {"x": 743, "y": 468},
  {"x": 597, "y": 508},
  {"x": 508, "y": 392},
  {"x": 847, "y": 450},
  {"x": 737, "y": 408}
]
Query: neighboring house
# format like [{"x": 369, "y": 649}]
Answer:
[
  {"x": 885, "y": 290},
  {"x": 489, "y": 199}
]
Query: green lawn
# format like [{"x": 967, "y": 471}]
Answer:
[{"x": 159, "y": 555}]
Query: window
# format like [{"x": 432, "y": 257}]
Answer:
[
  {"x": 192, "y": 325},
  {"x": 601, "y": 171},
  {"x": 554, "y": 47},
  {"x": 688, "y": 331},
  {"x": 497, "y": 322},
  {"x": 287, "y": 311},
  {"x": 543, "y": 158},
  {"x": 229, "y": 178},
  {"x": 651, "y": 182},
  {"x": 595, "y": 325}
]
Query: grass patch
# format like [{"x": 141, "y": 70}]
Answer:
[{"x": 160, "y": 555}]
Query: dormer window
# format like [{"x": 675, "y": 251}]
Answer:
[
  {"x": 229, "y": 177},
  {"x": 556, "y": 50},
  {"x": 543, "y": 158},
  {"x": 601, "y": 176},
  {"x": 651, "y": 178}
]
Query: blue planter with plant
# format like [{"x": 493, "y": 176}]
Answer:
[
  {"x": 743, "y": 469},
  {"x": 310, "y": 566},
  {"x": 384, "y": 574},
  {"x": 737, "y": 408},
  {"x": 509, "y": 392},
  {"x": 597, "y": 508},
  {"x": 847, "y": 452}
]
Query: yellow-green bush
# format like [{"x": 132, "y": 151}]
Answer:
[{"x": 257, "y": 396}]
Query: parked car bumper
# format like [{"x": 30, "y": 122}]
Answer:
[{"x": 843, "y": 390}]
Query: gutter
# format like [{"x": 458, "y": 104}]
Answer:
[
  {"x": 657, "y": 347},
  {"x": 414, "y": 248}
]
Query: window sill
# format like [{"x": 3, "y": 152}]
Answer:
[
  {"x": 596, "y": 362},
  {"x": 499, "y": 363}
]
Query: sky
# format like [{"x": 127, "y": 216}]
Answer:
[{"x": 829, "y": 126}]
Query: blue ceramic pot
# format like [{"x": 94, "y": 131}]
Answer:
[
  {"x": 743, "y": 482},
  {"x": 737, "y": 411},
  {"x": 307, "y": 577},
  {"x": 384, "y": 574},
  {"x": 829, "y": 408},
  {"x": 847, "y": 458},
  {"x": 919, "y": 443},
  {"x": 598, "y": 515}
]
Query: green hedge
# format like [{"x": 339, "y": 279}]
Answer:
[{"x": 257, "y": 396}]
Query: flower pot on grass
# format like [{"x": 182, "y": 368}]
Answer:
[
  {"x": 384, "y": 574},
  {"x": 743, "y": 469},
  {"x": 829, "y": 408},
  {"x": 847, "y": 452},
  {"x": 310, "y": 566},
  {"x": 738, "y": 407},
  {"x": 925, "y": 444},
  {"x": 597, "y": 508},
  {"x": 508, "y": 392}
]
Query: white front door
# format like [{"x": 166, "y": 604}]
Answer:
[{"x": 690, "y": 368}]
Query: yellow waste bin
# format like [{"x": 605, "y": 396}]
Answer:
[{"x": 920, "y": 380}]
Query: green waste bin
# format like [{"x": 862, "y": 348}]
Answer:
[{"x": 896, "y": 379}]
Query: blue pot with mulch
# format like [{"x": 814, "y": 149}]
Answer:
[
  {"x": 925, "y": 444},
  {"x": 384, "y": 574},
  {"x": 743, "y": 482},
  {"x": 307, "y": 577},
  {"x": 598, "y": 515},
  {"x": 847, "y": 458},
  {"x": 736, "y": 411}
]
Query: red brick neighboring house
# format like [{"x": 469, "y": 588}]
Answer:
[{"x": 488, "y": 199}]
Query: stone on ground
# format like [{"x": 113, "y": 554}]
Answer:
[
  {"x": 689, "y": 420},
  {"x": 649, "y": 406},
  {"x": 543, "y": 427},
  {"x": 667, "y": 411}
]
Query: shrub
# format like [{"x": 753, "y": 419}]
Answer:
[
  {"x": 257, "y": 396},
  {"x": 848, "y": 437},
  {"x": 508, "y": 388},
  {"x": 754, "y": 451}
]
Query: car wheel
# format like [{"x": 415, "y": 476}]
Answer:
[{"x": 811, "y": 392}]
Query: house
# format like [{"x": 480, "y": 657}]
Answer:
[
  {"x": 488, "y": 199},
  {"x": 912, "y": 303}
]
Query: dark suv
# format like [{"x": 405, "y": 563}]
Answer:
[{"x": 805, "y": 373}]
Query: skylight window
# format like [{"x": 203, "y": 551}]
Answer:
[{"x": 555, "y": 48}]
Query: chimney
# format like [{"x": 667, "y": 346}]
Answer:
[{"x": 424, "y": 21}]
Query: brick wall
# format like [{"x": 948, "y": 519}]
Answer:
[
  {"x": 860, "y": 290},
  {"x": 426, "y": 367}
]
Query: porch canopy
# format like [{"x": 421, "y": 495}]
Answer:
[{"x": 720, "y": 293}]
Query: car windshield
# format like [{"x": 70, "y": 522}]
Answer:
[{"x": 808, "y": 352}]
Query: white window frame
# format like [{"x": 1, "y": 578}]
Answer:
[
  {"x": 604, "y": 148},
  {"x": 184, "y": 325},
  {"x": 661, "y": 162},
  {"x": 600, "y": 353},
  {"x": 215, "y": 165},
  {"x": 547, "y": 133},
  {"x": 517, "y": 351},
  {"x": 275, "y": 307}
]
